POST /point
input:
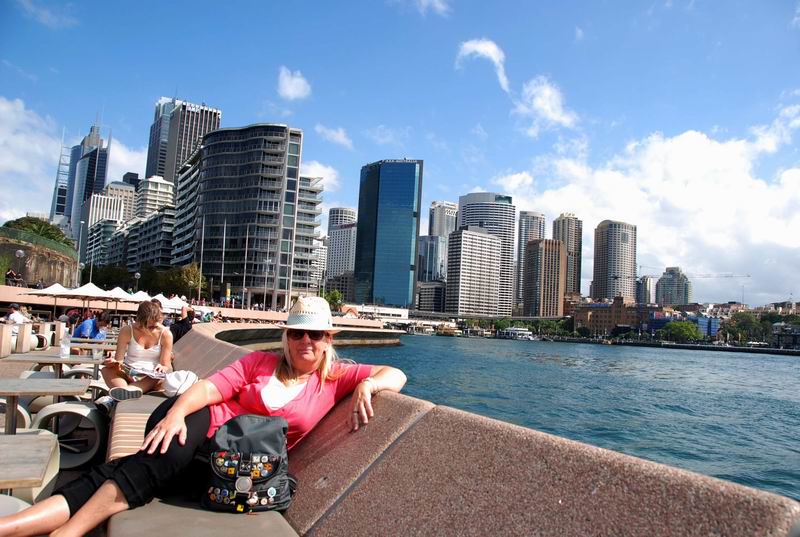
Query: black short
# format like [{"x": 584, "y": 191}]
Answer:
[{"x": 140, "y": 476}]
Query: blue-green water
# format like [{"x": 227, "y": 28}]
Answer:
[{"x": 728, "y": 415}]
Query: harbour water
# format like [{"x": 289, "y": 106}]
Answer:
[{"x": 728, "y": 415}]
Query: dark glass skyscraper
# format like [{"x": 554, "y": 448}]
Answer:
[{"x": 388, "y": 226}]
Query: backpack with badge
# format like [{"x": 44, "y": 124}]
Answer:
[{"x": 249, "y": 466}]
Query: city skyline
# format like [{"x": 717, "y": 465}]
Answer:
[{"x": 620, "y": 113}]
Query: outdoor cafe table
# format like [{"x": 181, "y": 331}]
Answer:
[
  {"x": 93, "y": 346},
  {"x": 24, "y": 459},
  {"x": 107, "y": 341},
  {"x": 13, "y": 389},
  {"x": 55, "y": 360}
]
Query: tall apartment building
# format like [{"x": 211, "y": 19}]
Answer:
[
  {"x": 389, "y": 200},
  {"x": 646, "y": 290},
  {"x": 178, "y": 126},
  {"x": 149, "y": 240},
  {"x": 531, "y": 226},
  {"x": 545, "y": 278},
  {"x": 341, "y": 248},
  {"x": 432, "y": 265},
  {"x": 442, "y": 218},
  {"x": 153, "y": 194},
  {"x": 673, "y": 288},
  {"x": 339, "y": 216},
  {"x": 99, "y": 243},
  {"x": 614, "y": 261},
  {"x": 568, "y": 229},
  {"x": 188, "y": 225},
  {"x": 474, "y": 273},
  {"x": 256, "y": 216},
  {"x": 97, "y": 208},
  {"x": 495, "y": 213},
  {"x": 88, "y": 169},
  {"x": 127, "y": 193},
  {"x": 319, "y": 262}
]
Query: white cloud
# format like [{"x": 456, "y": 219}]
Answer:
[
  {"x": 336, "y": 136},
  {"x": 29, "y": 150},
  {"x": 437, "y": 143},
  {"x": 330, "y": 177},
  {"x": 440, "y": 7},
  {"x": 48, "y": 17},
  {"x": 542, "y": 102},
  {"x": 383, "y": 135},
  {"x": 485, "y": 48},
  {"x": 271, "y": 109},
  {"x": 696, "y": 201},
  {"x": 480, "y": 132},
  {"x": 514, "y": 181},
  {"x": 20, "y": 71},
  {"x": 796, "y": 19},
  {"x": 578, "y": 33},
  {"x": 292, "y": 85},
  {"x": 124, "y": 160}
]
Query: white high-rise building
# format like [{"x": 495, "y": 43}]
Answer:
[
  {"x": 646, "y": 290},
  {"x": 319, "y": 261},
  {"x": 153, "y": 194},
  {"x": 569, "y": 230},
  {"x": 614, "y": 261},
  {"x": 442, "y": 218},
  {"x": 673, "y": 288},
  {"x": 495, "y": 213},
  {"x": 341, "y": 248},
  {"x": 125, "y": 192},
  {"x": 338, "y": 216},
  {"x": 473, "y": 272},
  {"x": 531, "y": 227}
]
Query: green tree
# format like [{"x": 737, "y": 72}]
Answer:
[
  {"x": 39, "y": 227},
  {"x": 501, "y": 324},
  {"x": 334, "y": 298},
  {"x": 792, "y": 319},
  {"x": 584, "y": 331},
  {"x": 680, "y": 332}
]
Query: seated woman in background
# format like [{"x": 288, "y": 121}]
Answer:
[
  {"x": 301, "y": 384},
  {"x": 143, "y": 348}
]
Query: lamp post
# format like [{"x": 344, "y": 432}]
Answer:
[
  {"x": 81, "y": 266},
  {"x": 136, "y": 277},
  {"x": 19, "y": 254},
  {"x": 80, "y": 237}
]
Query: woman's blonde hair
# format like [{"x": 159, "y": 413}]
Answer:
[
  {"x": 285, "y": 371},
  {"x": 148, "y": 311}
]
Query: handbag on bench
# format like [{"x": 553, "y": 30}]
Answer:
[{"x": 249, "y": 466}]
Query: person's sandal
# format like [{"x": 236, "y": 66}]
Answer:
[{"x": 123, "y": 394}]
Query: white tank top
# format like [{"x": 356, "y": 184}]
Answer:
[{"x": 140, "y": 358}]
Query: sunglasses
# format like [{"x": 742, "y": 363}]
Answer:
[{"x": 313, "y": 335}]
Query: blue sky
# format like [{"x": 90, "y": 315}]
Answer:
[{"x": 678, "y": 116}]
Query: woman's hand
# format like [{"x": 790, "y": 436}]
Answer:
[
  {"x": 173, "y": 424},
  {"x": 161, "y": 368},
  {"x": 361, "y": 405},
  {"x": 110, "y": 362}
]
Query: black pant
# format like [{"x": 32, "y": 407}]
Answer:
[{"x": 140, "y": 476}]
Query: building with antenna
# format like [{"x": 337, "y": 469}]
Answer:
[{"x": 86, "y": 175}]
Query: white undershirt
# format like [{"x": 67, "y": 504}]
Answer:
[{"x": 277, "y": 395}]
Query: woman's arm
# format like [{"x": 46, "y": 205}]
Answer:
[
  {"x": 382, "y": 377},
  {"x": 165, "y": 359},
  {"x": 122, "y": 345},
  {"x": 200, "y": 395}
]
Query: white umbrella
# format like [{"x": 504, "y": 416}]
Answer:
[
  {"x": 140, "y": 296},
  {"x": 118, "y": 295},
  {"x": 88, "y": 291},
  {"x": 54, "y": 290}
]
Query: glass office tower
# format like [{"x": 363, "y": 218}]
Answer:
[{"x": 388, "y": 226}]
